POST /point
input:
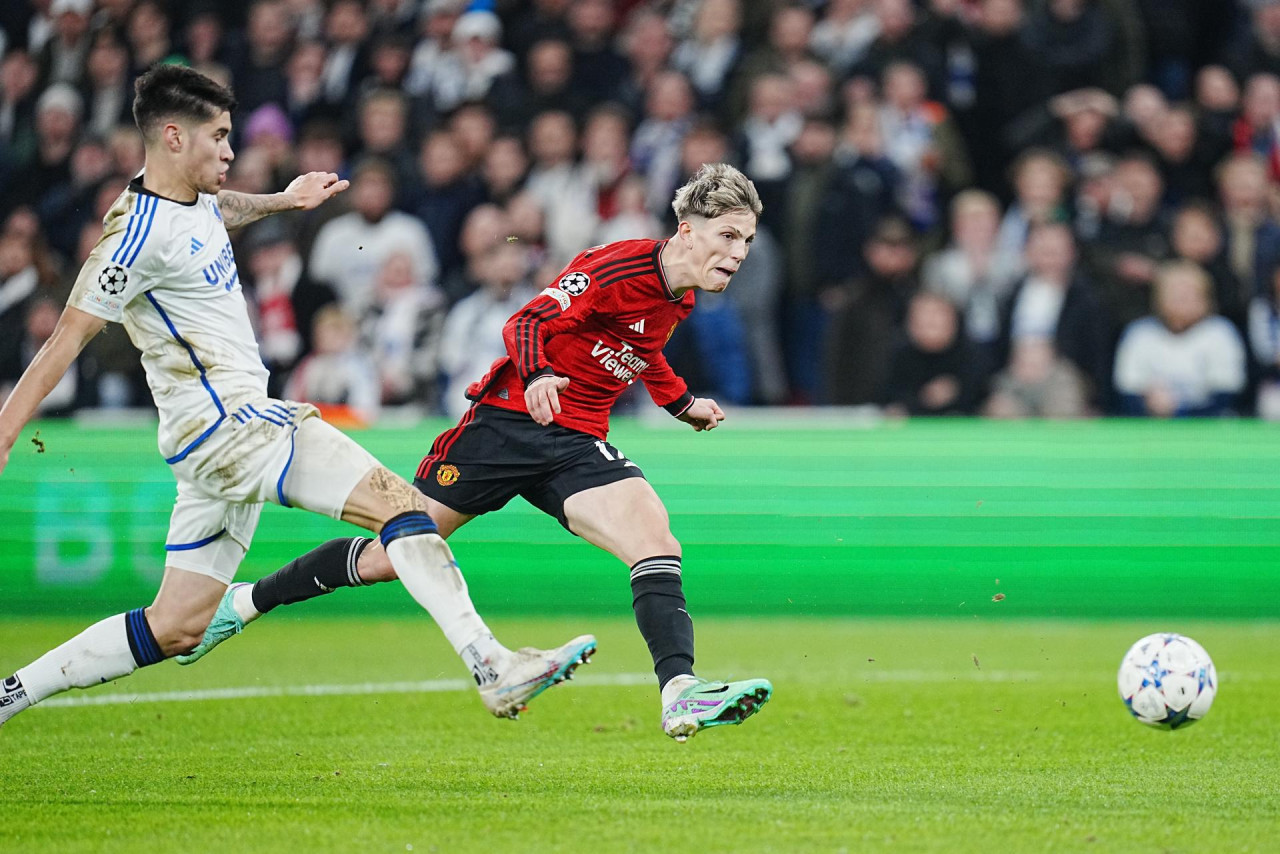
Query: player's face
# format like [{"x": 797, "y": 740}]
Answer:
[
  {"x": 719, "y": 247},
  {"x": 208, "y": 155}
]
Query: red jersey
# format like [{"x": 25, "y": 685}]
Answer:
[{"x": 603, "y": 325}]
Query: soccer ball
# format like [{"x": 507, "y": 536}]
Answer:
[{"x": 1167, "y": 680}]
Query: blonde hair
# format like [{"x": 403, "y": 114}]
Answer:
[{"x": 717, "y": 189}]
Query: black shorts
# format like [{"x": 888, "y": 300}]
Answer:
[{"x": 495, "y": 454}]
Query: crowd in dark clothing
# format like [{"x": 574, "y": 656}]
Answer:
[{"x": 1019, "y": 208}]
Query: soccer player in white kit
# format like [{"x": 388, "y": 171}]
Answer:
[{"x": 165, "y": 269}]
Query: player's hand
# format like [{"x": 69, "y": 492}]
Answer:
[
  {"x": 542, "y": 398},
  {"x": 314, "y": 189},
  {"x": 703, "y": 414}
]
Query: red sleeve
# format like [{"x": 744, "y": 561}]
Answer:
[
  {"x": 667, "y": 390},
  {"x": 572, "y": 298}
]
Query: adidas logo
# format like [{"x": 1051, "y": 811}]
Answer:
[
  {"x": 638, "y": 326},
  {"x": 196, "y": 246}
]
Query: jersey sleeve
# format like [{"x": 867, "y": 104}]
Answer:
[
  {"x": 121, "y": 266},
  {"x": 571, "y": 299},
  {"x": 667, "y": 390}
]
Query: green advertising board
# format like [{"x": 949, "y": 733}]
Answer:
[{"x": 819, "y": 516}]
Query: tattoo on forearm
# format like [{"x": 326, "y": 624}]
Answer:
[
  {"x": 393, "y": 490},
  {"x": 240, "y": 209}
]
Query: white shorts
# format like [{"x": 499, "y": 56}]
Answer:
[{"x": 267, "y": 450}]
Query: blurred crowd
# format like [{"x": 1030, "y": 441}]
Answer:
[{"x": 1019, "y": 208}]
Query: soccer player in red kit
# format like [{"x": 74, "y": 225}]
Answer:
[{"x": 539, "y": 427}]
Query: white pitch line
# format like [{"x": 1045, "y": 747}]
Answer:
[{"x": 436, "y": 686}]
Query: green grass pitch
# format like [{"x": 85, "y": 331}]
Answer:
[{"x": 883, "y": 735}]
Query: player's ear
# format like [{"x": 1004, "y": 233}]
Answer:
[{"x": 173, "y": 136}]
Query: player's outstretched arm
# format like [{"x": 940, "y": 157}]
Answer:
[
  {"x": 303, "y": 194},
  {"x": 74, "y": 330},
  {"x": 703, "y": 414}
]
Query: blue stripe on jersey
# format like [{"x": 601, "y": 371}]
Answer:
[
  {"x": 145, "y": 204},
  {"x": 190, "y": 352},
  {"x": 151, "y": 216},
  {"x": 128, "y": 229},
  {"x": 182, "y": 455},
  {"x": 186, "y": 547}
]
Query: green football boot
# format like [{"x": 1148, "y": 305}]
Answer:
[
  {"x": 225, "y": 623},
  {"x": 706, "y": 704}
]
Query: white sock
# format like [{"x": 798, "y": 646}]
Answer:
[
  {"x": 671, "y": 691},
  {"x": 428, "y": 571},
  {"x": 98, "y": 654},
  {"x": 242, "y": 601}
]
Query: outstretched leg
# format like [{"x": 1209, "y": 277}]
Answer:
[
  {"x": 627, "y": 519},
  {"x": 116, "y": 646}
]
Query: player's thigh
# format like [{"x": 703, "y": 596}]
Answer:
[
  {"x": 625, "y": 518},
  {"x": 330, "y": 473}
]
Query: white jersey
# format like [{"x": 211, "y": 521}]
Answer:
[{"x": 165, "y": 270}]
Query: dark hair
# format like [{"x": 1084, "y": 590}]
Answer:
[{"x": 176, "y": 92}]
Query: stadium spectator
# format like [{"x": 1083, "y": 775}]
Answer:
[
  {"x": 401, "y": 332},
  {"x": 708, "y": 56},
  {"x": 107, "y": 93},
  {"x": 1132, "y": 239},
  {"x": 502, "y": 174},
  {"x": 847, "y": 29},
  {"x": 1040, "y": 179},
  {"x": 476, "y": 67},
  {"x": 445, "y": 195},
  {"x": 62, "y": 59},
  {"x": 974, "y": 273},
  {"x": 1183, "y": 360},
  {"x": 1038, "y": 383},
  {"x": 1069, "y": 40},
  {"x": 346, "y": 28},
  {"x": 866, "y": 316},
  {"x": 1056, "y": 302},
  {"x": 147, "y": 33},
  {"x": 790, "y": 29},
  {"x": 19, "y": 289},
  {"x": 1264, "y": 347},
  {"x": 657, "y": 142},
  {"x": 337, "y": 372},
  {"x": 923, "y": 144},
  {"x": 647, "y": 44},
  {"x": 471, "y": 339},
  {"x": 1253, "y": 235},
  {"x": 598, "y": 69},
  {"x": 548, "y": 84},
  {"x": 383, "y": 132},
  {"x": 930, "y": 371},
  {"x": 284, "y": 300},
  {"x": 257, "y": 67},
  {"x": 1196, "y": 236},
  {"x": 350, "y": 249}
]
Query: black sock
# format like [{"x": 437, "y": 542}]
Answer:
[
  {"x": 322, "y": 570},
  {"x": 661, "y": 615}
]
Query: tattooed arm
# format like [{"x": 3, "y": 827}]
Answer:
[{"x": 303, "y": 193}]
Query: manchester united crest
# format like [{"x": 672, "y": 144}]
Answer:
[
  {"x": 574, "y": 284},
  {"x": 447, "y": 475}
]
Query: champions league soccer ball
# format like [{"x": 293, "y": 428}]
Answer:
[{"x": 1167, "y": 681}]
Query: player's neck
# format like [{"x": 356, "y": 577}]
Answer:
[
  {"x": 164, "y": 180},
  {"x": 680, "y": 277}
]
